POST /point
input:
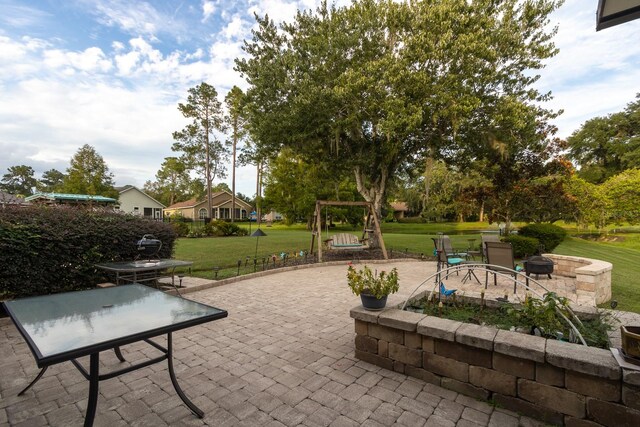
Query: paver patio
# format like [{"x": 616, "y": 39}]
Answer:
[{"x": 284, "y": 356}]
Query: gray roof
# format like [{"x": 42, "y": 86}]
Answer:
[{"x": 10, "y": 199}]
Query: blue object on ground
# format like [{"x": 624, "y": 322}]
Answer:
[{"x": 446, "y": 292}]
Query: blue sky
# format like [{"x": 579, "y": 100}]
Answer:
[{"x": 110, "y": 73}]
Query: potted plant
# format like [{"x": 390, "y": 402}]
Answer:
[{"x": 373, "y": 288}]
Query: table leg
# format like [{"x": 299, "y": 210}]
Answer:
[
  {"x": 197, "y": 411},
  {"x": 92, "y": 404},
  {"x": 35, "y": 380},
  {"x": 119, "y": 354}
]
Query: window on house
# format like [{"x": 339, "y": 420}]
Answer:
[{"x": 202, "y": 213}]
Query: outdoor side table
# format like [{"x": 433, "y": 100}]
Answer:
[
  {"x": 144, "y": 270},
  {"x": 64, "y": 327}
]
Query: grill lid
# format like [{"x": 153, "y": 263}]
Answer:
[{"x": 149, "y": 246}]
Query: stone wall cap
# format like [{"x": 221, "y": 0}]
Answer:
[
  {"x": 587, "y": 360},
  {"x": 437, "y": 327},
  {"x": 359, "y": 313},
  {"x": 589, "y": 266},
  {"x": 400, "y": 319},
  {"x": 476, "y": 335},
  {"x": 520, "y": 345}
]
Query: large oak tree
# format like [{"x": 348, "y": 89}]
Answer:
[{"x": 378, "y": 85}]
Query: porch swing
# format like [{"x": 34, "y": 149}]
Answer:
[{"x": 346, "y": 241}]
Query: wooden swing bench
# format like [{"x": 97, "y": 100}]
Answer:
[{"x": 345, "y": 241}]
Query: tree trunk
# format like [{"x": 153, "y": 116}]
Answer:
[
  {"x": 374, "y": 194},
  {"x": 481, "y": 214},
  {"x": 427, "y": 184},
  {"x": 233, "y": 178},
  {"x": 208, "y": 169}
]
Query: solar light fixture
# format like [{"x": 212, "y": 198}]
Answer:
[{"x": 257, "y": 234}]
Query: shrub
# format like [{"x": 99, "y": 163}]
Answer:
[
  {"x": 522, "y": 246},
  {"x": 180, "y": 228},
  {"x": 228, "y": 229},
  {"x": 47, "y": 249},
  {"x": 210, "y": 229},
  {"x": 549, "y": 235}
]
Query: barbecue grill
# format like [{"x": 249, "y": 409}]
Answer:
[
  {"x": 538, "y": 265},
  {"x": 149, "y": 248}
]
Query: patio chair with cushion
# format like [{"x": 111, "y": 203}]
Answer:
[
  {"x": 444, "y": 243},
  {"x": 500, "y": 255},
  {"x": 445, "y": 261}
]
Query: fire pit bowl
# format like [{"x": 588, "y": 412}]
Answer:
[{"x": 538, "y": 265}]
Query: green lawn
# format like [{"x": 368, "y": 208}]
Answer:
[{"x": 622, "y": 250}]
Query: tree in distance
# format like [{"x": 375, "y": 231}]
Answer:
[
  {"x": 89, "y": 174},
  {"x": 51, "y": 181},
  {"x": 172, "y": 183},
  {"x": 235, "y": 122},
  {"x": 201, "y": 150},
  {"x": 19, "y": 180},
  {"x": 606, "y": 146}
]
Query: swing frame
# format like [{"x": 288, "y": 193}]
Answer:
[{"x": 316, "y": 228}]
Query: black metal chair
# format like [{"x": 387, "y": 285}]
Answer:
[{"x": 500, "y": 255}]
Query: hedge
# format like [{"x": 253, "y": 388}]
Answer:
[
  {"x": 549, "y": 235},
  {"x": 523, "y": 247},
  {"x": 50, "y": 249}
]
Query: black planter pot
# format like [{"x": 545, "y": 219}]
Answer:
[{"x": 370, "y": 302}]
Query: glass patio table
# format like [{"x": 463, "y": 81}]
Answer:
[
  {"x": 143, "y": 270},
  {"x": 66, "y": 326}
]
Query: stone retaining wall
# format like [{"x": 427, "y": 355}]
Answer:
[
  {"x": 593, "y": 276},
  {"x": 557, "y": 382}
]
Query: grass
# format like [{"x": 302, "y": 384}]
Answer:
[{"x": 622, "y": 250}]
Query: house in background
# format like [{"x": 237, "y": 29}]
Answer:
[
  {"x": 220, "y": 206},
  {"x": 71, "y": 199},
  {"x": 136, "y": 202},
  {"x": 10, "y": 199},
  {"x": 400, "y": 209}
]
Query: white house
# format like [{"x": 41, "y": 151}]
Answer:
[{"x": 137, "y": 202}]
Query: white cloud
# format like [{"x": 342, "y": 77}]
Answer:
[
  {"x": 136, "y": 18},
  {"x": 21, "y": 16},
  {"x": 208, "y": 8},
  {"x": 236, "y": 28},
  {"x": 90, "y": 60}
]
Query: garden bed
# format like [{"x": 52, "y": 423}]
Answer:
[
  {"x": 534, "y": 317},
  {"x": 555, "y": 381}
]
